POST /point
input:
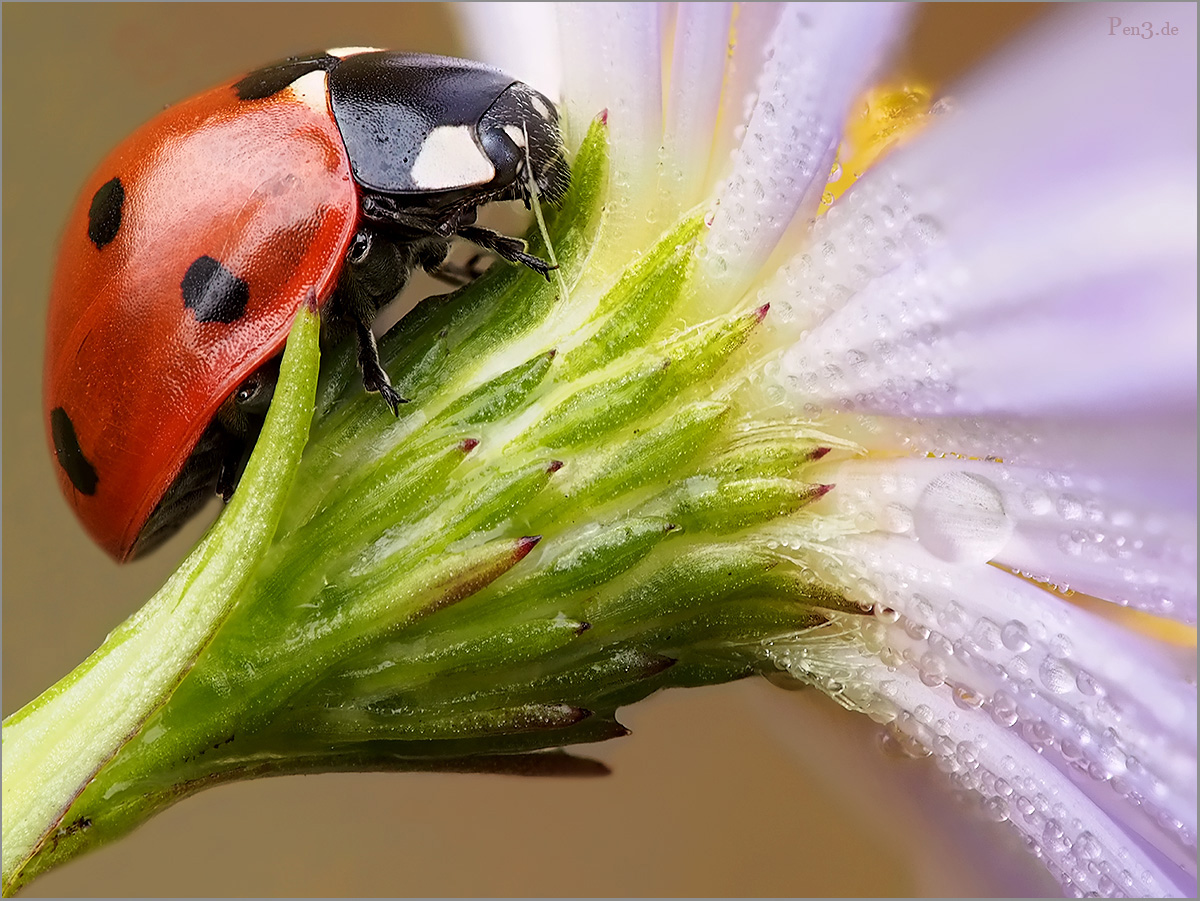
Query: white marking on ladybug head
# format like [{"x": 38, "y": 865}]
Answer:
[
  {"x": 450, "y": 159},
  {"x": 539, "y": 105},
  {"x": 311, "y": 90},
  {"x": 516, "y": 135},
  {"x": 343, "y": 52}
]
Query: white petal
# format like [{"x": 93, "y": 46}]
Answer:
[
  {"x": 818, "y": 60},
  {"x": 1088, "y": 726},
  {"x": 701, "y": 45},
  {"x": 1146, "y": 458},
  {"x": 1055, "y": 528},
  {"x": 517, "y": 38},
  {"x": 952, "y": 850},
  {"x": 612, "y": 60},
  {"x": 1033, "y": 254}
]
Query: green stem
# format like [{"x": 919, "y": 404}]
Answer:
[{"x": 56, "y": 744}]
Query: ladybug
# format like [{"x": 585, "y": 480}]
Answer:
[{"x": 330, "y": 176}]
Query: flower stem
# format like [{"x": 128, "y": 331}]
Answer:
[{"x": 55, "y": 745}]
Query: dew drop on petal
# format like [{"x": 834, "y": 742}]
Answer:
[
  {"x": 1056, "y": 676},
  {"x": 1004, "y": 708},
  {"x": 1015, "y": 636},
  {"x": 960, "y": 518},
  {"x": 996, "y": 809}
]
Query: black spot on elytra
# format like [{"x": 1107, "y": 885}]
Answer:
[
  {"x": 213, "y": 293},
  {"x": 70, "y": 455},
  {"x": 272, "y": 79},
  {"x": 104, "y": 215}
]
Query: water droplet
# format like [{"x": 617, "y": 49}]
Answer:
[
  {"x": 1004, "y": 708},
  {"x": 933, "y": 670},
  {"x": 1087, "y": 847},
  {"x": 926, "y": 229},
  {"x": 916, "y": 630},
  {"x": 886, "y": 614},
  {"x": 1015, "y": 636},
  {"x": 996, "y": 809},
  {"x": 1037, "y": 502},
  {"x": 943, "y": 106},
  {"x": 966, "y": 698},
  {"x": 1069, "y": 507},
  {"x": 960, "y": 518},
  {"x": 1056, "y": 676},
  {"x": 1053, "y": 837},
  {"x": 987, "y": 635},
  {"x": 896, "y": 518},
  {"x": 898, "y": 744},
  {"x": 1062, "y": 646}
]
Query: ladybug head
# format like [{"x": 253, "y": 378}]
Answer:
[{"x": 520, "y": 134}]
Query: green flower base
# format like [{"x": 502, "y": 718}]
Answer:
[{"x": 564, "y": 519}]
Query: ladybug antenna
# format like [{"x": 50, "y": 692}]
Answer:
[{"x": 532, "y": 194}]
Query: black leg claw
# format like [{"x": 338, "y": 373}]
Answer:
[
  {"x": 511, "y": 249},
  {"x": 392, "y": 398},
  {"x": 374, "y": 377}
]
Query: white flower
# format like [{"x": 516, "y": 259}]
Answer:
[{"x": 1002, "y": 316}]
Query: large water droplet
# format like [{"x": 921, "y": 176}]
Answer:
[
  {"x": 1056, "y": 676},
  {"x": 1004, "y": 708},
  {"x": 1015, "y": 636},
  {"x": 960, "y": 518},
  {"x": 996, "y": 809}
]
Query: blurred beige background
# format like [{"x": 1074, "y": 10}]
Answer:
[{"x": 737, "y": 790}]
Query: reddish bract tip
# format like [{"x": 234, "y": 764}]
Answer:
[
  {"x": 468, "y": 444},
  {"x": 552, "y": 353},
  {"x": 555, "y": 466},
  {"x": 525, "y": 545},
  {"x": 761, "y": 312},
  {"x": 603, "y": 117},
  {"x": 821, "y": 490},
  {"x": 819, "y": 452},
  {"x": 310, "y": 300}
]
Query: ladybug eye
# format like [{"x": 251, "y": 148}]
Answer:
[
  {"x": 360, "y": 246},
  {"x": 253, "y": 396}
]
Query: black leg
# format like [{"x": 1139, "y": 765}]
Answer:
[
  {"x": 233, "y": 464},
  {"x": 459, "y": 274},
  {"x": 374, "y": 378},
  {"x": 511, "y": 249}
]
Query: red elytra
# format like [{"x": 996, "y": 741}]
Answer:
[{"x": 194, "y": 185}]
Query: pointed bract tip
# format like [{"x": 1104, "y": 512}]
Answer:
[
  {"x": 819, "y": 452},
  {"x": 582, "y": 627},
  {"x": 555, "y": 466},
  {"x": 761, "y": 312},
  {"x": 552, "y": 353},
  {"x": 819, "y": 491},
  {"x": 310, "y": 300},
  {"x": 468, "y": 444},
  {"x": 525, "y": 545},
  {"x": 603, "y": 117}
]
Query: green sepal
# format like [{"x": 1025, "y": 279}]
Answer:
[{"x": 636, "y": 306}]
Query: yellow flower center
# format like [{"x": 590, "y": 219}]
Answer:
[{"x": 887, "y": 116}]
